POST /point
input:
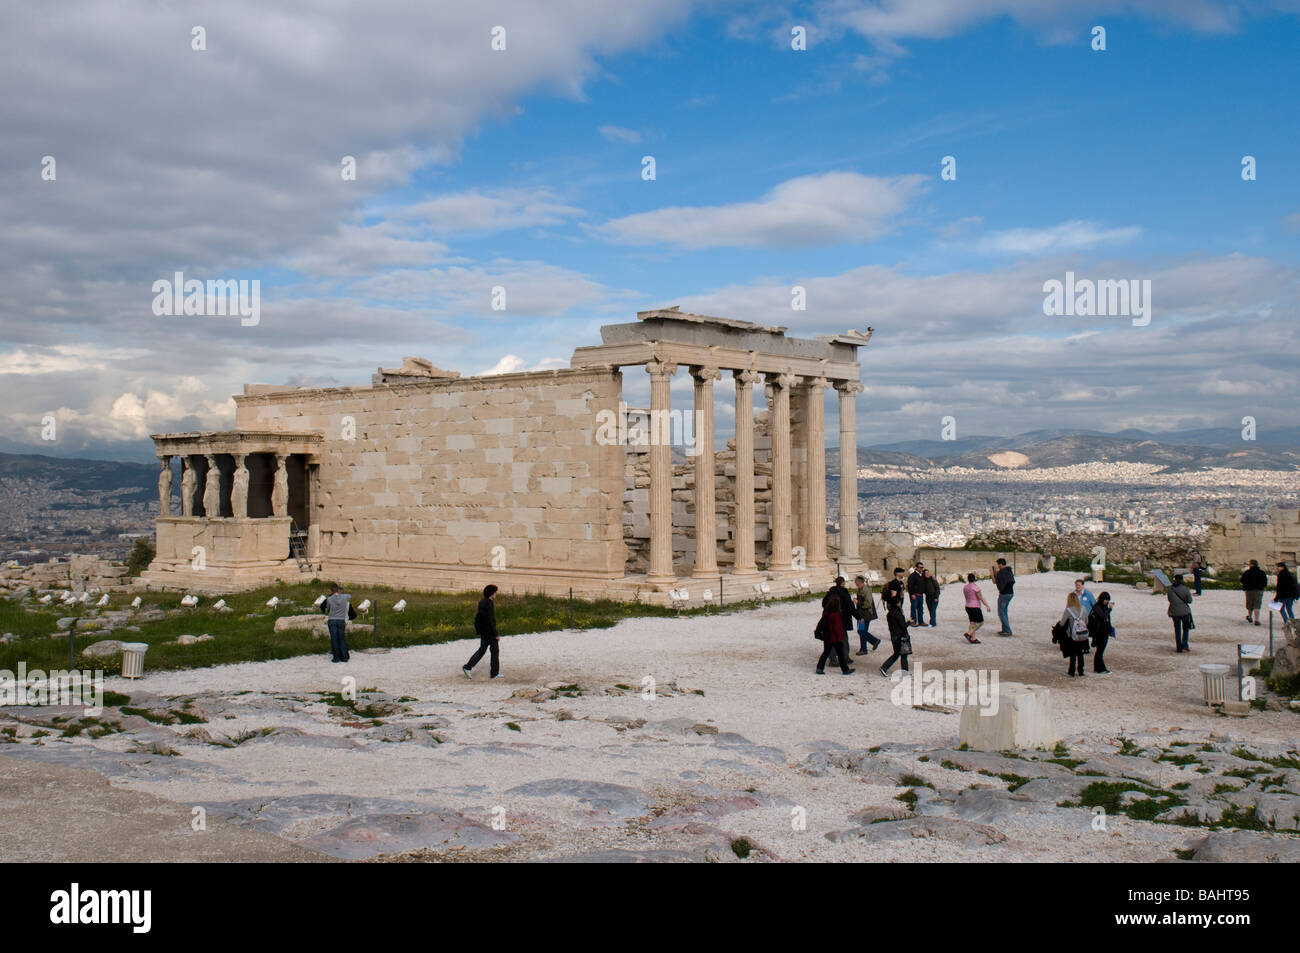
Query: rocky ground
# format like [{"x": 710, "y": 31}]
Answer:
[{"x": 703, "y": 739}]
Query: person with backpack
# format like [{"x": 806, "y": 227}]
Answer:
[
  {"x": 932, "y": 591},
  {"x": 1073, "y": 629},
  {"x": 1197, "y": 566},
  {"x": 485, "y": 626},
  {"x": 898, "y": 636},
  {"x": 1100, "y": 628},
  {"x": 974, "y": 599},
  {"x": 1005, "y": 580},
  {"x": 1254, "y": 581},
  {"x": 1180, "y": 610},
  {"x": 866, "y": 606},
  {"x": 832, "y": 633},
  {"x": 1288, "y": 590},
  {"x": 338, "y": 607}
]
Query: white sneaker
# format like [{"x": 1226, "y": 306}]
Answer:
[
  {"x": 468, "y": 673},
  {"x": 497, "y": 675}
]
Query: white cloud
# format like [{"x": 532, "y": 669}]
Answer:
[
  {"x": 490, "y": 211},
  {"x": 810, "y": 210},
  {"x": 1068, "y": 236},
  {"x": 619, "y": 134}
]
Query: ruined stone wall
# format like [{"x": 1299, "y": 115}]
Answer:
[
  {"x": 444, "y": 476},
  {"x": 636, "y": 503},
  {"x": 76, "y": 573},
  {"x": 1231, "y": 542}
]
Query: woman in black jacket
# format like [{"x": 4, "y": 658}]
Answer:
[
  {"x": 1099, "y": 627},
  {"x": 898, "y": 636}
]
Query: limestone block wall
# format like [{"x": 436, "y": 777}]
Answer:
[
  {"x": 1231, "y": 542},
  {"x": 445, "y": 479}
]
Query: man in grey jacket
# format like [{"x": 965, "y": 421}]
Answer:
[
  {"x": 1180, "y": 610},
  {"x": 338, "y": 604}
]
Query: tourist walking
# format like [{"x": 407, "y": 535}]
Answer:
[
  {"x": 894, "y": 591},
  {"x": 1100, "y": 628},
  {"x": 866, "y": 605},
  {"x": 1288, "y": 590},
  {"x": 975, "y": 615},
  {"x": 1197, "y": 566},
  {"x": 1005, "y": 580},
  {"x": 847, "y": 609},
  {"x": 932, "y": 591},
  {"x": 832, "y": 633},
  {"x": 1074, "y": 633},
  {"x": 338, "y": 607},
  {"x": 898, "y": 636},
  {"x": 916, "y": 593},
  {"x": 1254, "y": 581},
  {"x": 485, "y": 625},
  {"x": 1180, "y": 610}
]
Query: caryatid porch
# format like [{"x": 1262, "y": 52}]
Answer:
[
  {"x": 791, "y": 369},
  {"x": 241, "y": 495}
]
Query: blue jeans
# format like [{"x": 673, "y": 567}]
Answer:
[
  {"x": 338, "y": 639},
  {"x": 918, "y": 607},
  {"x": 1196, "y": 574},
  {"x": 865, "y": 636},
  {"x": 1287, "y": 611},
  {"x": 933, "y": 604},
  {"x": 1182, "y": 631},
  {"x": 1004, "y": 601}
]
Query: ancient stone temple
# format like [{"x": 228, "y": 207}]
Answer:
[{"x": 537, "y": 481}]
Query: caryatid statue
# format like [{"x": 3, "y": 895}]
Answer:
[
  {"x": 165, "y": 486},
  {"x": 280, "y": 489},
  {"x": 188, "y": 483},
  {"x": 239, "y": 489}
]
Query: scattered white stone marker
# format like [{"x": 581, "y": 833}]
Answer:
[
  {"x": 46, "y": 599},
  {"x": 319, "y": 600},
  {"x": 85, "y": 597},
  {"x": 273, "y": 601},
  {"x": 365, "y": 606},
  {"x": 219, "y": 604},
  {"x": 190, "y": 601},
  {"x": 137, "y": 602},
  {"x": 401, "y": 604},
  {"x": 103, "y": 600}
]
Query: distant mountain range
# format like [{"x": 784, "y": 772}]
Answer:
[
  {"x": 131, "y": 482},
  {"x": 1181, "y": 450}
]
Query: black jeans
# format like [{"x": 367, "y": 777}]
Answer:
[
  {"x": 483, "y": 646},
  {"x": 932, "y": 605},
  {"x": 1098, "y": 664},
  {"x": 889, "y": 662},
  {"x": 1181, "y": 631},
  {"x": 1076, "y": 655},
  {"x": 840, "y": 651}
]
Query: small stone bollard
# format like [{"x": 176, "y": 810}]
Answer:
[
  {"x": 1023, "y": 718},
  {"x": 133, "y": 659}
]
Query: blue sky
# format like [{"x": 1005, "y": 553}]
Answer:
[{"x": 775, "y": 168}]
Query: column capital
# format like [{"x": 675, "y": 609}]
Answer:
[
  {"x": 745, "y": 377},
  {"x": 703, "y": 372},
  {"x": 783, "y": 379},
  {"x": 849, "y": 387},
  {"x": 817, "y": 383},
  {"x": 660, "y": 369}
]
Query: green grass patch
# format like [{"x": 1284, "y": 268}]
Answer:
[
  {"x": 914, "y": 781},
  {"x": 1070, "y": 763},
  {"x": 742, "y": 847}
]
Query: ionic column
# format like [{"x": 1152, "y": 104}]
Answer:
[
  {"x": 815, "y": 492},
  {"x": 165, "y": 486},
  {"x": 212, "y": 488},
  {"x": 744, "y": 564},
  {"x": 280, "y": 488},
  {"x": 706, "y": 520},
  {"x": 661, "y": 474},
  {"x": 780, "y": 416},
  {"x": 239, "y": 488},
  {"x": 849, "y": 556}
]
